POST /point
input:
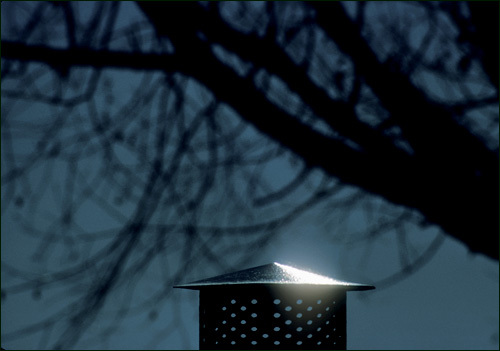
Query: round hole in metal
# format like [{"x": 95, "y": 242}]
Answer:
[
  {"x": 319, "y": 328},
  {"x": 277, "y": 301},
  {"x": 319, "y": 303},
  {"x": 327, "y": 309},
  {"x": 233, "y": 315},
  {"x": 299, "y": 315},
  {"x": 276, "y": 329},
  {"x": 309, "y": 336},
  {"x": 254, "y": 342},
  {"x": 327, "y": 322},
  {"x": 299, "y": 329},
  {"x": 319, "y": 315},
  {"x": 254, "y": 329},
  {"x": 265, "y": 336},
  {"x": 288, "y": 336},
  {"x": 277, "y": 315},
  {"x": 224, "y": 322},
  {"x": 233, "y": 301},
  {"x": 223, "y": 336},
  {"x": 233, "y": 328},
  {"x": 299, "y": 342},
  {"x": 309, "y": 308},
  {"x": 243, "y": 322},
  {"x": 224, "y": 308},
  {"x": 276, "y": 342},
  {"x": 288, "y": 308},
  {"x": 233, "y": 342},
  {"x": 319, "y": 342},
  {"x": 299, "y": 301},
  {"x": 254, "y": 315},
  {"x": 327, "y": 336},
  {"x": 288, "y": 322},
  {"x": 254, "y": 301},
  {"x": 243, "y": 308},
  {"x": 309, "y": 322},
  {"x": 243, "y": 336}
]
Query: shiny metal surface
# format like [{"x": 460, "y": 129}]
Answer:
[{"x": 274, "y": 273}]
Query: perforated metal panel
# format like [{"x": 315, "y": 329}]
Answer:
[
  {"x": 273, "y": 307},
  {"x": 272, "y": 317}
]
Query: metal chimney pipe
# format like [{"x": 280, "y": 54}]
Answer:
[{"x": 273, "y": 307}]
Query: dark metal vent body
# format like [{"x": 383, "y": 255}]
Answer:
[
  {"x": 272, "y": 317},
  {"x": 273, "y": 307}
]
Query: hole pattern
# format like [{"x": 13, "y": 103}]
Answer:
[{"x": 243, "y": 321}]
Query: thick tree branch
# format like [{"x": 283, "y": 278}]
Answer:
[
  {"x": 349, "y": 164},
  {"x": 423, "y": 122},
  {"x": 452, "y": 189},
  {"x": 336, "y": 158},
  {"x": 73, "y": 57},
  {"x": 461, "y": 190},
  {"x": 485, "y": 17},
  {"x": 339, "y": 114}
]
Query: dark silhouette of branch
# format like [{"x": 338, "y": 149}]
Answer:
[
  {"x": 392, "y": 87},
  {"x": 89, "y": 57},
  {"x": 449, "y": 158}
]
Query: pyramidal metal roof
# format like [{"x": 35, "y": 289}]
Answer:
[{"x": 273, "y": 273}]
